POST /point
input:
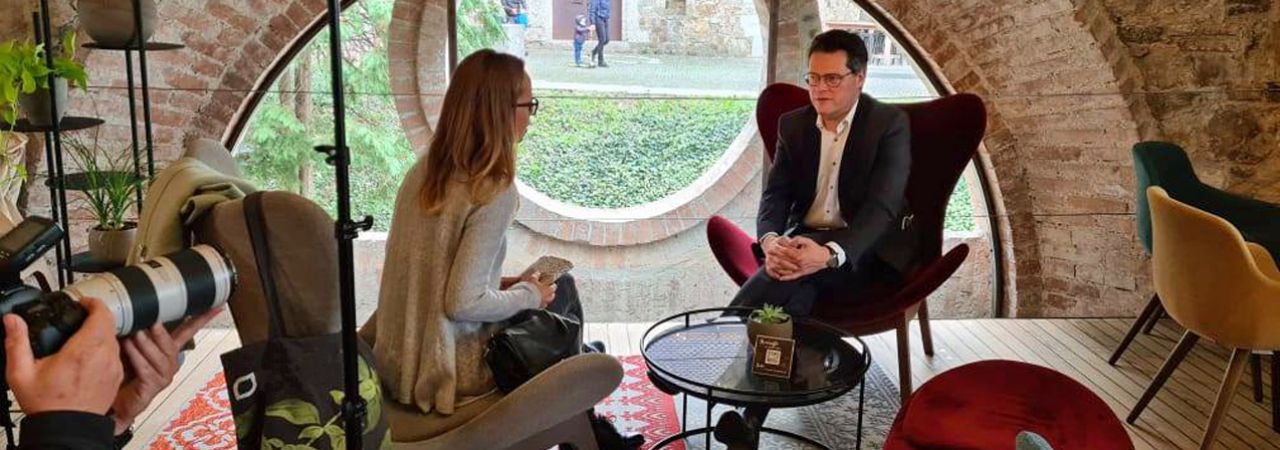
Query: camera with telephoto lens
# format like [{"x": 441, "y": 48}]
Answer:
[{"x": 188, "y": 282}]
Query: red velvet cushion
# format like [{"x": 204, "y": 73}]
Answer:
[
  {"x": 732, "y": 248},
  {"x": 983, "y": 406}
]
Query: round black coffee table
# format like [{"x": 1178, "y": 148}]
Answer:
[{"x": 704, "y": 353}]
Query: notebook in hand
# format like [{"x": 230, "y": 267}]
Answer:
[{"x": 551, "y": 268}]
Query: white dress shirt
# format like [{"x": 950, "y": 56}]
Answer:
[{"x": 825, "y": 214}]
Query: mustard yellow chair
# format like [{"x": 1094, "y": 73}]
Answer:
[{"x": 1215, "y": 285}]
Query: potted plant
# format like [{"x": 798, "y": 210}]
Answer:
[
  {"x": 769, "y": 320},
  {"x": 110, "y": 22},
  {"x": 24, "y": 79},
  {"x": 110, "y": 190}
]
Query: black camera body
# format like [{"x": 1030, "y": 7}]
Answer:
[{"x": 162, "y": 290}]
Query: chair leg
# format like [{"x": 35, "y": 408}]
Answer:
[
  {"x": 1138, "y": 324},
  {"x": 1155, "y": 318},
  {"x": 904, "y": 361},
  {"x": 1229, "y": 381},
  {"x": 1255, "y": 366},
  {"x": 1179, "y": 353},
  {"x": 926, "y": 335},
  {"x": 1275, "y": 391}
]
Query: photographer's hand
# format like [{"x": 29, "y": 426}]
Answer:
[
  {"x": 152, "y": 357},
  {"x": 83, "y": 376}
]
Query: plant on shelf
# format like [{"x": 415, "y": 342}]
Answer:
[
  {"x": 769, "y": 320},
  {"x": 24, "y": 79},
  {"x": 110, "y": 190}
]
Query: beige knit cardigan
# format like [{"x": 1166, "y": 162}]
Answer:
[{"x": 440, "y": 299}]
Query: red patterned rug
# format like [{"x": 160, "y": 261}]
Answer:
[{"x": 636, "y": 407}]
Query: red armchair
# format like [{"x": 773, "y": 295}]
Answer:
[
  {"x": 945, "y": 133},
  {"x": 984, "y": 405}
]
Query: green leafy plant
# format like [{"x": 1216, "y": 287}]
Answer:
[
  {"x": 23, "y": 70},
  {"x": 111, "y": 185},
  {"x": 770, "y": 314}
]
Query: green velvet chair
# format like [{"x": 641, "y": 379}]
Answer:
[{"x": 1166, "y": 165}]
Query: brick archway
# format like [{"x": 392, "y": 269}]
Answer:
[{"x": 1059, "y": 136}]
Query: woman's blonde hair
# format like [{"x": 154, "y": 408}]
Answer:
[{"x": 475, "y": 140}]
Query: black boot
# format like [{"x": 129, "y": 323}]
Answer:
[
  {"x": 608, "y": 437},
  {"x": 733, "y": 431}
]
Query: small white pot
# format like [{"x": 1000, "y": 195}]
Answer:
[
  {"x": 110, "y": 22},
  {"x": 35, "y": 106},
  {"x": 112, "y": 246}
]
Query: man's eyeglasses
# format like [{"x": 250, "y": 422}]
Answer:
[
  {"x": 829, "y": 79},
  {"x": 532, "y": 105}
]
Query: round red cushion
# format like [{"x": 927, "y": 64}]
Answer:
[{"x": 984, "y": 405}]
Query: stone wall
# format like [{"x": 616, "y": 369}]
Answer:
[{"x": 1202, "y": 70}]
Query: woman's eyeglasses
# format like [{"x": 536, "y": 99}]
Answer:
[
  {"x": 829, "y": 79},
  {"x": 532, "y": 105}
]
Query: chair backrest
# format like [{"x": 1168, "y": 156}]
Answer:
[
  {"x": 1209, "y": 279},
  {"x": 777, "y": 99},
  {"x": 1161, "y": 164},
  {"x": 945, "y": 134},
  {"x": 304, "y": 253}
]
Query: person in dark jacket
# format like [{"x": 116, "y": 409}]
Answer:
[
  {"x": 598, "y": 11},
  {"x": 79, "y": 398}
]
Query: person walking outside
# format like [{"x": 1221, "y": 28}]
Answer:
[{"x": 598, "y": 11}]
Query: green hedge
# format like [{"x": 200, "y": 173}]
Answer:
[{"x": 614, "y": 152}]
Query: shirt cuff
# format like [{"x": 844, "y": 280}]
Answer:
[
  {"x": 840, "y": 258},
  {"x": 766, "y": 237}
]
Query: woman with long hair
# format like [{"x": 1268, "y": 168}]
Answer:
[{"x": 443, "y": 295}]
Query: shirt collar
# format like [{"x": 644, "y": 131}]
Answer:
[{"x": 844, "y": 123}]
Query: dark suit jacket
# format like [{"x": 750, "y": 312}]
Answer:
[{"x": 872, "y": 184}]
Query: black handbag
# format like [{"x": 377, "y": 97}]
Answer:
[{"x": 533, "y": 341}]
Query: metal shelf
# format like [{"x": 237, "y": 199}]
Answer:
[
  {"x": 68, "y": 123},
  {"x": 86, "y": 263},
  {"x": 149, "y": 46},
  {"x": 80, "y": 181}
]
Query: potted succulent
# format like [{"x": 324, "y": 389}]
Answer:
[
  {"x": 110, "y": 22},
  {"x": 771, "y": 321},
  {"x": 110, "y": 190},
  {"x": 24, "y": 79}
]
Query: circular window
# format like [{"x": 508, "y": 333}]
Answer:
[{"x": 639, "y": 148}]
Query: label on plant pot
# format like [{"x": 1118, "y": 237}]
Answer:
[{"x": 772, "y": 356}]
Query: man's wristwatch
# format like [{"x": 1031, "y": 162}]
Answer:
[{"x": 834, "y": 260}]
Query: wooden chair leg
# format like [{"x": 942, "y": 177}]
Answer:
[
  {"x": 1155, "y": 318},
  {"x": 904, "y": 361},
  {"x": 1179, "y": 353},
  {"x": 1255, "y": 366},
  {"x": 926, "y": 335},
  {"x": 1138, "y": 324},
  {"x": 1235, "y": 370},
  {"x": 1275, "y": 391}
]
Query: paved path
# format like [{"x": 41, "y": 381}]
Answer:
[{"x": 676, "y": 75}]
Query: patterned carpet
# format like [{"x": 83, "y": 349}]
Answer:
[{"x": 636, "y": 407}]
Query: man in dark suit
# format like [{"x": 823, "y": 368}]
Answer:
[{"x": 833, "y": 214}]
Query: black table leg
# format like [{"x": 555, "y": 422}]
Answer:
[
  {"x": 684, "y": 413},
  {"x": 862, "y": 400},
  {"x": 710, "y": 406}
]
